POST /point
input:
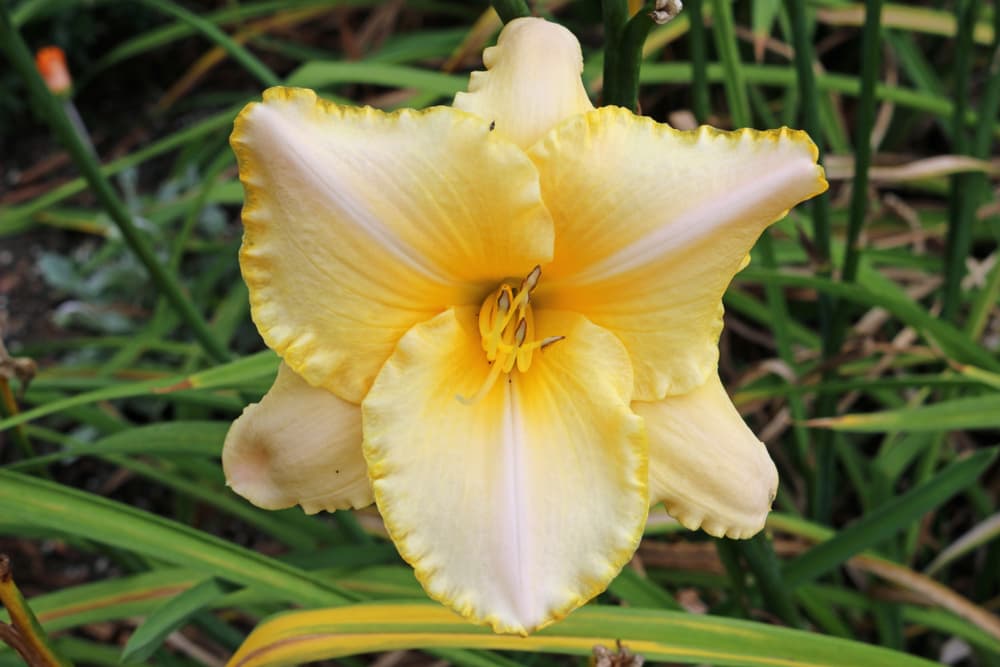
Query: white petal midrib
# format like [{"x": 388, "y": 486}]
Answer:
[
  {"x": 514, "y": 503},
  {"x": 693, "y": 225}
]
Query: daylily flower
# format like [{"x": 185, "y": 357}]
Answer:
[{"x": 500, "y": 320}]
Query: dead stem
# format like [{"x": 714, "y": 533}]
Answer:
[{"x": 23, "y": 633}]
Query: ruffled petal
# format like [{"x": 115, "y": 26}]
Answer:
[
  {"x": 299, "y": 446},
  {"x": 519, "y": 508},
  {"x": 651, "y": 225},
  {"x": 531, "y": 83},
  {"x": 360, "y": 224},
  {"x": 706, "y": 465}
]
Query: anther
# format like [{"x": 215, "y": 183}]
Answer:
[
  {"x": 520, "y": 332},
  {"x": 549, "y": 340},
  {"x": 531, "y": 281},
  {"x": 503, "y": 302}
]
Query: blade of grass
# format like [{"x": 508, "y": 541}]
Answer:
[
  {"x": 758, "y": 552},
  {"x": 77, "y": 513},
  {"x": 699, "y": 61},
  {"x": 888, "y": 520},
  {"x": 905, "y": 17},
  {"x": 971, "y": 412},
  {"x": 962, "y": 196},
  {"x": 657, "y": 635},
  {"x": 777, "y": 75},
  {"x": 989, "y": 108},
  {"x": 173, "y": 614},
  {"x": 979, "y": 535},
  {"x": 870, "y": 59},
  {"x": 952, "y": 342},
  {"x": 212, "y": 32},
  {"x": 260, "y": 365},
  {"x": 508, "y": 10}
]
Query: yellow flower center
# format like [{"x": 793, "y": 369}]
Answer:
[{"x": 507, "y": 327}]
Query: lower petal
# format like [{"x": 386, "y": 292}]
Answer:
[
  {"x": 300, "y": 445},
  {"x": 518, "y": 508},
  {"x": 706, "y": 465}
]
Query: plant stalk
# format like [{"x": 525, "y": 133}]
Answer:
[
  {"x": 508, "y": 10},
  {"x": 17, "y": 52},
  {"x": 24, "y": 634}
]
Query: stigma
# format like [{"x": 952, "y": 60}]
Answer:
[{"x": 507, "y": 330}]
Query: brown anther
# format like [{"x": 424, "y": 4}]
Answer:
[
  {"x": 503, "y": 302},
  {"x": 549, "y": 341},
  {"x": 520, "y": 332},
  {"x": 531, "y": 281}
]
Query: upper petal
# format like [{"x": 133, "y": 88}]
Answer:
[
  {"x": 299, "y": 446},
  {"x": 519, "y": 508},
  {"x": 358, "y": 224},
  {"x": 531, "y": 83},
  {"x": 706, "y": 465},
  {"x": 652, "y": 223}
]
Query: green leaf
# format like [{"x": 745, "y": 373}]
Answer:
[
  {"x": 202, "y": 438},
  {"x": 975, "y": 412},
  {"x": 657, "y": 635},
  {"x": 234, "y": 373},
  {"x": 173, "y": 614},
  {"x": 322, "y": 74},
  {"x": 889, "y": 519},
  {"x": 639, "y": 591},
  {"x": 74, "y": 512},
  {"x": 952, "y": 341},
  {"x": 762, "y": 17}
]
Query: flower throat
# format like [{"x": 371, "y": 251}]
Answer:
[{"x": 507, "y": 327}]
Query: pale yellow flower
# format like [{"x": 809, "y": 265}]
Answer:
[{"x": 512, "y": 444}]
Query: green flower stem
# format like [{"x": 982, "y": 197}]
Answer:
[
  {"x": 824, "y": 451},
  {"x": 760, "y": 556},
  {"x": 699, "y": 60},
  {"x": 628, "y": 60},
  {"x": 809, "y": 94},
  {"x": 963, "y": 194},
  {"x": 758, "y": 552},
  {"x": 989, "y": 108},
  {"x": 730, "y": 557},
  {"x": 511, "y": 9},
  {"x": 20, "y": 57},
  {"x": 822, "y": 497},
  {"x": 734, "y": 80},
  {"x": 615, "y": 14},
  {"x": 24, "y": 633},
  {"x": 210, "y": 30},
  {"x": 870, "y": 58},
  {"x": 8, "y": 408}
]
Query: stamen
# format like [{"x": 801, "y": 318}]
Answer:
[
  {"x": 531, "y": 281},
  {"x": 484, "y": 389},
  {"x": 506, "y": 345},
  {"x": 549, "y": 340}
]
